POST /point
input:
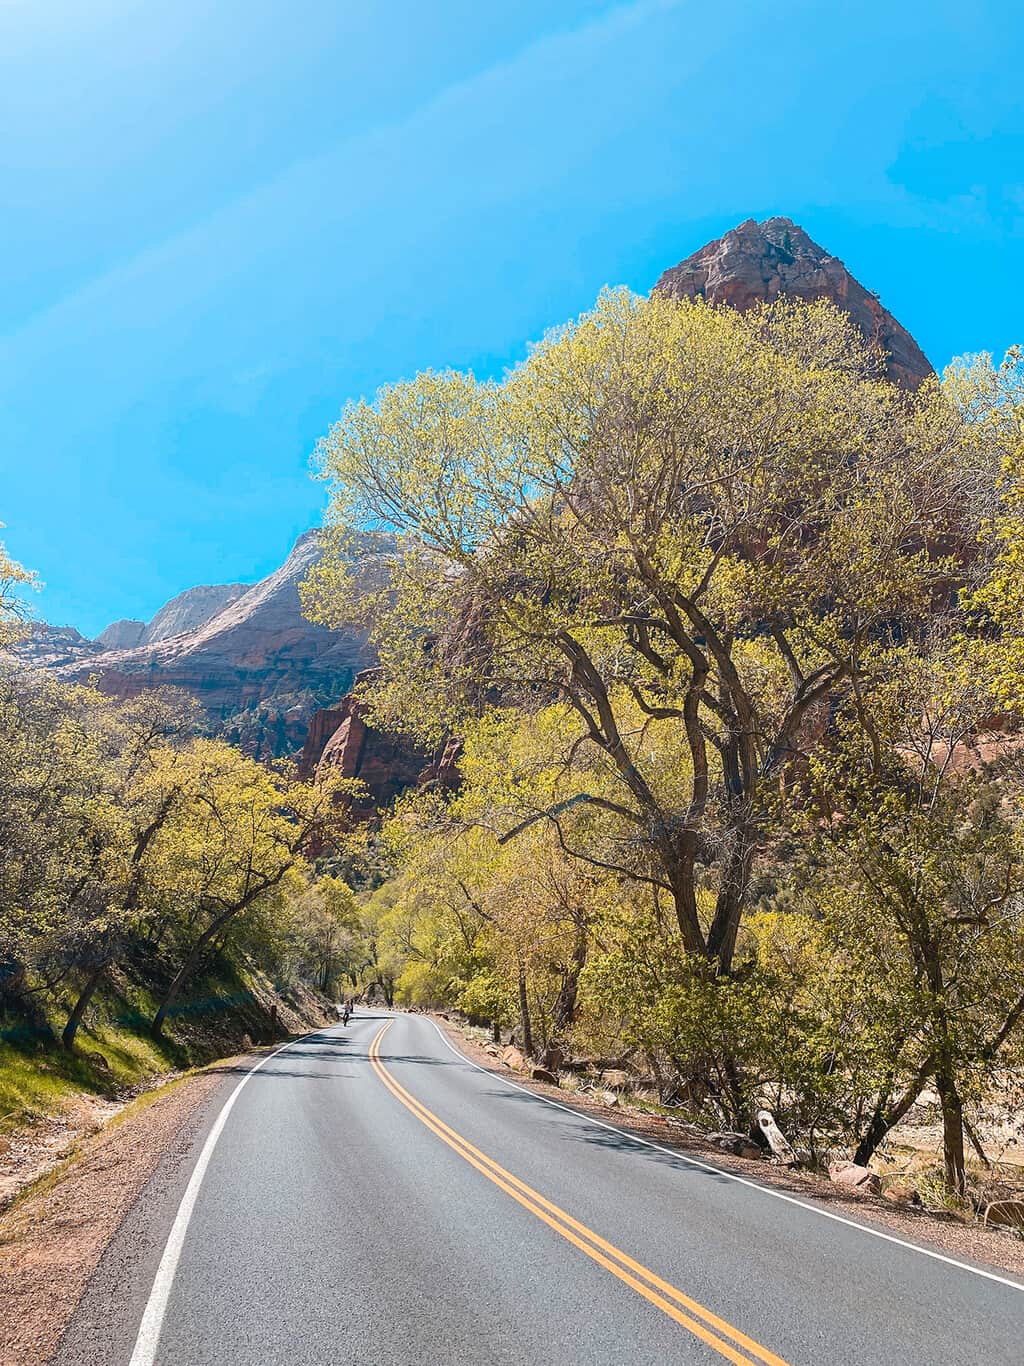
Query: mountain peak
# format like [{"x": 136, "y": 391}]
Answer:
[{"x": 756, "y": 262}]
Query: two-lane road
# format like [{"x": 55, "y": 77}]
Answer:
[{"x": 371, "y": 1197}]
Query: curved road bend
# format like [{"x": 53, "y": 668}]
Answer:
[{"x": 373, "y": 1198}]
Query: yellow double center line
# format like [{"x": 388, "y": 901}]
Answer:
[{"x": 727, "y": 1341}]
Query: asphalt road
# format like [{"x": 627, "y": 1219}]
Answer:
[{"x": 372, "y": 1198}]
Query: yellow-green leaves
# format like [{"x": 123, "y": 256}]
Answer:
[{"x": 14, "y": 579}]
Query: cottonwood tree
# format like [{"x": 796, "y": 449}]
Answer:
[
  {"x": 711, "y": 522},
  {"x": 135, "y": 783},
  {"x": 240, "y": 831},
  {"x": 921, "y": 882},
  {"x": 45, "y": 776}
]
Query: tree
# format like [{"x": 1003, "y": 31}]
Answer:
[
  {"x": 239, "y": 832},
  {"x": 14, "y": 579},
  {"x": 711, "y": 522},
  {"x": 136, "y": 783},
  {"x": 921, "y": 880},
  {"x": 323, "y": 931}
]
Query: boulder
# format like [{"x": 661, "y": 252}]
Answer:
[
  {"x": 609, "y": 1098},
  {"x": 740, "y": 1145},
  {"x": 543, "y": 1074},
  {"x": 857, "y": 1178},
  {"x": 901, "y": 1194},
  {"x": 1005, "y": 1214},
  {"x": 512, "y": 1057}
]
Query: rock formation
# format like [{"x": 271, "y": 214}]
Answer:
[
  {"x": 259, "y": 669},
  {"x": 760, "y": 261},
  {"x": 190, "y": 610},
  {"x": 186, "y": 612},
  {"x": 340, "y": 741},
  {"x": 122, "y": 635}
]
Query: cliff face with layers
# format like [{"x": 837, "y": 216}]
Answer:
[
  {"x": 761, "y": 261},
  {"x": 341, "y": 742},
  {"x": 259, "y": 669}
]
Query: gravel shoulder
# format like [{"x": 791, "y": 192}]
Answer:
[
  {"x": 995, "y": 1249},
  {"x": 52, "y": 1237}
]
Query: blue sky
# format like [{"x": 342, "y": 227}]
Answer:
[{"x": 223, "y": 218}]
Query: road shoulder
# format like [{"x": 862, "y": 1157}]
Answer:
[{"x": 53, "y": 1237}]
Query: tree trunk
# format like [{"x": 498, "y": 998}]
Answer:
[
  {"x": 80, "y": 1007},
  {"x": 732, "y": 893},
  {"x": 952, "y": 1130},
  {"x": 887, "y": 1115},
  {"x": 563, "y": 1012},
  {"x": 189, "y": 965},
  {"x": 185, "y": 971},
  {"x": 524, "y": 1016},
  {"x": 679, "y": 859}
]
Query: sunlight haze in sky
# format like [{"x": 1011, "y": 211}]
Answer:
[{"x": 224, "y": 219}]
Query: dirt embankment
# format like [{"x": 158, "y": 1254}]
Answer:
[
  {"x": 53, "y": 1121},
  {"x": 52, "y": 1239}
]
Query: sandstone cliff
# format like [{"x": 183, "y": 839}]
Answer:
[
  {"x": 760, "y": 261},
  {"x": 185, "y": 612},
  {"x": 190, "y": 610},
  {"x": 121, "y": 635},
  {"x": 340, "y": 741},
  {"x": 259, "y": 669}
]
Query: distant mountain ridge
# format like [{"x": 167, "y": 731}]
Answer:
[
  {"x": 259, "y": 669},
  {"x": 185, "y": 612}
]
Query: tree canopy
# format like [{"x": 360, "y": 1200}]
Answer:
[{"x": 707, "y": 601}]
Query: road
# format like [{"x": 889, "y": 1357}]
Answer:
[{"x": 369, "y": 1196}]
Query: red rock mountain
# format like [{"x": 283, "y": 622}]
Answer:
[
  {"x": 760, "y": 261},
  {"x": 340, "y": 741},
  {"x": 259, "y": 669}
]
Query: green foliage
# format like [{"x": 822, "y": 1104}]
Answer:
[
  {"x": 732, "y": 631},
  {"x": 14, "y": 579},
  {"x": 669, "y": 518},
  {"x": 128, "y": 841}
]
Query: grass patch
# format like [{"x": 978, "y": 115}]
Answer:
[{"x": 115, "y": 1052}]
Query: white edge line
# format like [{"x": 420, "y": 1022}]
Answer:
[
  {"x": 148, "y": 1339},
  {"x": 730, "y": 1176}
]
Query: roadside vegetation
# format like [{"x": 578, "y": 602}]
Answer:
[
  {"x": 162, "y": 896},
  {"x": 731, "y": 629}
]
